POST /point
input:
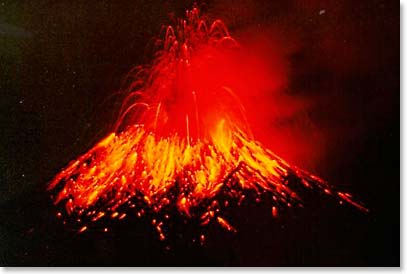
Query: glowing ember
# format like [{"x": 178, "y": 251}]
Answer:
[{"x": 181, "y": 140}]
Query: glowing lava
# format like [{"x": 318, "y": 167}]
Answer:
[{"x": 182, "y": 139}]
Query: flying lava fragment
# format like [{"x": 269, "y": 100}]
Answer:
[{"x": 181, "y": 141}]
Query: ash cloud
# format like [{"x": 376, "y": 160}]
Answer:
[{"x": 335, "y": 63}]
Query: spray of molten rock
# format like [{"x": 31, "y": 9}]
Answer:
[{"x": 181, "y": 141}]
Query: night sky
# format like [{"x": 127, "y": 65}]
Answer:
[{"x": 60, "y": 61}]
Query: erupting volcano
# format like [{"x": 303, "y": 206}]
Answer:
[{"x": 182, "y": 140}]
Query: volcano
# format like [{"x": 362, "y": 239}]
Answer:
[{"x": 182, "y": 141}]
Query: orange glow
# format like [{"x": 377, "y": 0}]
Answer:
[{"x": 180, "y": 127}]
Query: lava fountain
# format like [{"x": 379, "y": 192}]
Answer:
[{"x": 182, "y": 140}]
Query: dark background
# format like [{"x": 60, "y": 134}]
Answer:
[{"x": 60, "y": 60}]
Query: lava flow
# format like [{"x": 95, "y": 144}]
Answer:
[{"x": 182, "y": 140}]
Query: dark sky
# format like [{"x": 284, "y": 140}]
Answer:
[{"x": 60, "y": 61}]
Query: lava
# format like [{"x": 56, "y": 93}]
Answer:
[{"x": 181, "y": 140}]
